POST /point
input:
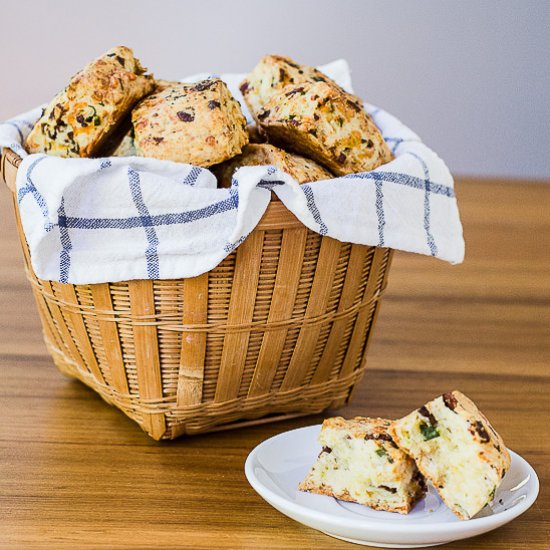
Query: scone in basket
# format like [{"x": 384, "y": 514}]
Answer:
[{"x": 279, "y": 329}]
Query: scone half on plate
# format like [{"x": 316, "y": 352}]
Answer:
[
  {"x": 82, "y": 117},
  {"x": 360, "y": 463},
  {"x": 200, "y": 123},
  {"x": 257, "y": 154},
  {"x": 457, "y": 449},
  {"x": 324, "y": 123}
]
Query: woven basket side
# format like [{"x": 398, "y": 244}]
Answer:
[{"x": 280, "y": 328}]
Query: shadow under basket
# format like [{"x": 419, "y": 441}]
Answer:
[{"x": 278, "y": 329}]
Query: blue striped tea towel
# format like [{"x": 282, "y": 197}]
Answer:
[{"x": 114, "y": 219}]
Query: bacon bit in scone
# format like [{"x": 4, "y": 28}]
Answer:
[
  {"x": 292, "y": 64},
  {"x": 264, "y": 114},
  {"x": 341, "y": 158},
  {"x": 213, "y": 104},
  {"x": 185, "y": 117},
  {"x": 354, "y": 105},
  {"x": 204, "y": 85},
  {"x": 244, "y": 87},
  {"x": 315, "y": 116},
  {"x": 326, "y": 450},
  {"x": 482, "y": 432},
  {"x": 389, "y": 489},
  {"x": 450, "y": 401},
  {"x": 427, "y": 414},
  {"x": 211, "y": 140},
  {"x": 80, "y": 119},
  {"x": 158, "y": 140},
  {"x": 299, "y": 90}
]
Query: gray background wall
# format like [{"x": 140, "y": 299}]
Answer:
[{"x": 471, "y": 77}]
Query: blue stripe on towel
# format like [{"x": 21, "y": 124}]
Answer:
[
  {"x": 151, "y": 250},
  {"x": 427, "y": 183},
  {"x": 66, "y": 246},
  {"x": 313, "y": 208}
]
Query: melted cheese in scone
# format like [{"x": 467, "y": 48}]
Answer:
[
  {"x": 457, "y": 449},
  {"x": 360, "y": 463}
]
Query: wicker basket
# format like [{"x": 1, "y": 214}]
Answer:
[{"x": 279, "y": 329}]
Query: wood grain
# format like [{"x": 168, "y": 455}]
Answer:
[{"x": 76, "y": 473}]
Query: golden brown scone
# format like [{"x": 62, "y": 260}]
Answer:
[
  {"x": 323, "y": 123},
  {"x": 457, "y": 449},
  {"x": 80, "y": 119},
  {"x": 161, "y": 84},
  {"x": 359, "y": 462},
  {"x": 272, "y": 74},
  {"x": 257, "y": 154},
  {"x": 199, "y": 123}
]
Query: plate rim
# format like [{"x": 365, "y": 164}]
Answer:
[{"x": 366, "y": 524}]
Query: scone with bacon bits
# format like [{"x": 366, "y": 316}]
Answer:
[
  {"x": 300, "y": 168},
  {"x": 322, "y": 122},
  {"x": 360, "y": 463},
  {"x": 199, "y": 123},
  {"x": 457, "y": 449},
  {"x": 81, "y": 118},
  {"x": 272, "y": 74}
]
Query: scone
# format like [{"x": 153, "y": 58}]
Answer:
[
  {"x": 322, "y": 122},
  {"x": 161, "y": 84},
  {"x": 199, "y": 123},
  {"x": 300, "y": 168},
  {"x": 360, "y": 463},
  {"x": 80, "y": 119},
  {"x": 271, "y": 75},
  {"x": 126, "y": 147},
  {"x": 457, "y": 449}
]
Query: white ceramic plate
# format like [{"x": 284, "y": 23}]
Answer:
[{"x": 276, "y": 466}]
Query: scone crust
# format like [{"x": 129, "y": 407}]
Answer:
[
  {"x": 301, "y": 169},
  {"x": 272, "y": 74},
  {"x": 323, "y": 123},
  {"x": 482, "y": 437},
  {"x": 80, "y": 119},
  {"x": 401, "y": 468},
  {"x": 201, "y": 124}
]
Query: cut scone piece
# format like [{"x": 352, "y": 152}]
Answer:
[
  {"x": 272, "y": 74},
  {"x": 320, "y": 121},
  {"x": 81, "y": 118},
  {"x": 360, "y": 463},
  {"x": 198, "y": 123},
  {"x": 457, "y": 449},
  {"x": 258, "y": 154}
]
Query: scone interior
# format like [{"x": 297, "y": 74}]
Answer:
[
  {"x": 323, "y": 123},
  {"x": 457, "y": 449},
  {"x": 360, "y": 463},
  {"x": 200, "y": 123},
  {"x": 81, "y": 118},
  {"x": 258, "y": 154}
]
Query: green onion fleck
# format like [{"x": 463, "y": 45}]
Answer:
[{"x": 429, "y": 432}]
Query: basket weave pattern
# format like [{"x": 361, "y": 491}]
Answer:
[{"x": 279, "y": 329}]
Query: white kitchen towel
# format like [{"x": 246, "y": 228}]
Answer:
[{"x": 115, "y": 219}]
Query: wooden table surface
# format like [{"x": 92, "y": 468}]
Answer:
[{"x": 76, "y": 473}]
